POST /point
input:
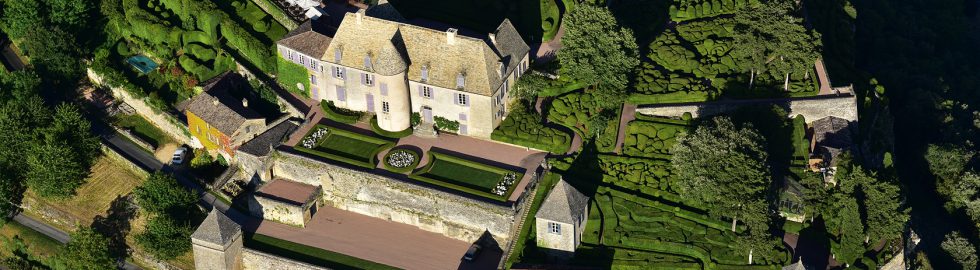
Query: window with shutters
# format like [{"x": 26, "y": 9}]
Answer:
[
  {"x": 312, "y": 79},
  {"x": 302, "y": 60},
  {"x": 427, "y": 91},
  {"x": 336, "y": 55},
  {"x": 341, "y": 93},
  {"x": 367, "y": 62},
  {"x": 384, "y": 89},
  {"x": 338, "y": 72},
  {"x": 312, "y": 64},
  {"x": 384, "y": 106},
  {"x": 460, "y": 81},
  {"x": 462, "y": 100}
]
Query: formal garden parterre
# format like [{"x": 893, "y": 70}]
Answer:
[{"x": 468, "y": 176}]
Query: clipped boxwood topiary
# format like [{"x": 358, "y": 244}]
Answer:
[{"x": 401, "y": 160}]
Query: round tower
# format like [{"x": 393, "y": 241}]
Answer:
[{"x": 396, "y": 108}]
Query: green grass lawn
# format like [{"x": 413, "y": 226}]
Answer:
[
  {"x": 38, "y": 246},
  {"x": 464, "y": 175},
  {"x": 348, "y": 147},
  {"x": 143, "y": 129},
  {"x": 310, "y": 254}
]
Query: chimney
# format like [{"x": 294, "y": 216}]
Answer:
[
  {"x": 245, "y": 102},
  {"x": 451, "y": 36},
  {"x": 359, "y": 14},
  {"x": 493, "y": 38}
]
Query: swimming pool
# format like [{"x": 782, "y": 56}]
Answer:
[{"x": 142, "y": 63}]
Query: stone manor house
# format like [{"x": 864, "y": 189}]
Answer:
[{"x": 395, "y": 70}]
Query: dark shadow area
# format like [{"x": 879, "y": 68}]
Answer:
[
  {"x": 646, "y": 18},
  {"x": 833, "y": 20},
  {"x": 488, "y": 256},
  {"x": 482, "y": 16},
  {"x": 116, "y": 224},
  {"x": 813, "y": 245}
]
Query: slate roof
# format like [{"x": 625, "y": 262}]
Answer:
[
  {"x": 263, "y": 144},
  {"x": 217, "y": 229},
  {"x": 310, "y": 38},
  {"x": 564, "y": 204},
  {"x": 478, "y": 58},
  {"x": 218, "y": 108},
  {"x": 831, "y": 135}
]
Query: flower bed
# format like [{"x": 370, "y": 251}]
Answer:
[
  {"x": 468, "y": 176},
  {"x": 344, "y": 146},
  {"x": 401, "y": 160}
]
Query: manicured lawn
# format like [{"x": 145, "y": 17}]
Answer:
[
  {"x": 143, "y": 129},
  {"x": 348, "y": 147},
  {"x": 309, "y": 254},
  {"x": 464, "y": 175}
]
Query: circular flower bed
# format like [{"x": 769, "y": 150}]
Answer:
[{"x": 401, "y": 160}]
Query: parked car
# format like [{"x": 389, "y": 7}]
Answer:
[
  {"x": 472, "y": 252},
  {"x": 179, "y": 156}
]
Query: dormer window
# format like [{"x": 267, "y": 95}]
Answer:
[
  {"x": 367, "y": 62},
  {"x": 503, "y": 69},
  {"x": 460, "y": 81},
  {"x": 336, "y": 55},
  {"x": 425, "y": 73}
]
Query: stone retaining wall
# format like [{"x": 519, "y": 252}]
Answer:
[
  {"x": 137, "y": 140},
  {"x": 388, "y": 198},
  {"x": 278, "y": 211},
  {"x": 162, "y": 120},
  {"x": 257, "y": 260},
  {"x": 811, "y": 108}
]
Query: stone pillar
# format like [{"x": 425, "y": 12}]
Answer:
[{"x": 217, "y": 243}]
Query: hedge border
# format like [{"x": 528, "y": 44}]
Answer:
[
  {"x": 334, "y": 113},
  {"x": 389, "y": 134},
  {"x": 373, "y": 160},
  {"x": 433, "y": 156},
  {"x": 389, "y": 167}
]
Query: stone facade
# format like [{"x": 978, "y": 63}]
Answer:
[
  {"x": 384, "y": 197},
  {"x": 212, "y": 257},
  {"x": 257, "y": 260},
  {"x": 567, "y": 240},
  {"x": 811, "y": 108}
]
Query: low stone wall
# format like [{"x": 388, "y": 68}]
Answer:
[
  {"x": 137, "y": 140},
  {"x": 112, "y": 154},
  {"x": 388, "y": 198},
  {"x": 257, "y": 260},
  {"x": 162, "y": 120},
  {"x": 278, "y": 211},
  {"x": 812, "y": 108}
]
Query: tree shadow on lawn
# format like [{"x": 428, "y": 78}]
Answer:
[{"x": 116, "y": 224}]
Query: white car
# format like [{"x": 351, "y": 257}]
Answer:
[{"x": 179, "y": 156}]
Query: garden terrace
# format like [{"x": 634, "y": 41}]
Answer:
[
  {"x": 468, "y": 176},
  {"x": 344, "y": 146}
]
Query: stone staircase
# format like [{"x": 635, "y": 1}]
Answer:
[
  {"x": 518, "y": 226},
  {"x": 425, "y": 130}
]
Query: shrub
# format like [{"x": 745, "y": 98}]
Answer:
[
  {"x": 261, "y": 55},
  {"x": 165, "y": 238},
  {"x": 389, "y": 134},
  {"x": 523, "y": 127},
  {"x": 200, "y": 52},
  {"x": 340, "y": 115},
  {"x": 444, "y": 124}
]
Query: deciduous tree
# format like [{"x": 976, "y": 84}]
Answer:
[
  {"x": 165, "y": 237},
  {"x": 962, "y": 251},
  {"x": 598, "y": 51},
  {"x": 162, "y": 194},
  {"x": 769, "y": 37},
  {"x": 88, "y": 249}
]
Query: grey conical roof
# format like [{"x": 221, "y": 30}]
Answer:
[
  {"x": 390, "y": 60},
  {"x": 564, "y": 204},
  {"x": 217, "y": 229}
]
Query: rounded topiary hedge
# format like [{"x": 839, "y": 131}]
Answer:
[{"x": 401, "y": 160}]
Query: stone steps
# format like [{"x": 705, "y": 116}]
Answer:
[{"x": 425, "y": 130}]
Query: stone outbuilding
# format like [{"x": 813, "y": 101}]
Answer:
[
  {"x": 560, "y": 221},
  {"x": 831, "y": 137},
  {"x": 286, "y": 202},
  {"x": 217, "y": 243}
]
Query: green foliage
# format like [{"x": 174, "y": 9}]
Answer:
[
  {"x": 20, "y": 17},
  {"x": 849, "y": 246},
  {"x": 345, "y": 146},
  {"x": 465, "y": 175},
  {"x": 444, "y": 124},
  {"x": 962, "y": 251},
  {"x": 54, "y": 170},
  {"x": 645, "y": 138},
  {"x": 416, "y": 157},
  {"x": 947, "y": 162},
  {"x": 165, "y": 237},
  {"x": 770, "y": 37},
  {"x": 340, "y": 115},
  {"x": 575, "y": 110},
  {"x": 389, "y": 134},
  {"x": 200, "y": 52},
  {"x": 88, "y": 249},
  {"x": 885, "y": 216},
  {"x": 604, "y": 60},
  {"x": 684, "y": 10},
  {"x": 668, "y": 52},
  {"x": 291, "y": 75},
  {"x": 523, "y": 127},
  {"x": 256, "y": 52},
  {"x": 201, "y": 160},
  {"x": 162, "y": 194}
]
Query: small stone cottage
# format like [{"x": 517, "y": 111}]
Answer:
[{"x": 561, "y": 220}]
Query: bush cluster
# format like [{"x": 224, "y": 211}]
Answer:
[
  {"x": 340, "y": 115},
  {"x": 574, "y": 111},
  {"x": 646, "y": 138},
  {"x": 524, "y": 127},
  {"x": 684, "y": 10},
  {"x": 444, "y": 124}
]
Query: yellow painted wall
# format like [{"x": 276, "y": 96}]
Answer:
[{"x": 200, "y": 129}]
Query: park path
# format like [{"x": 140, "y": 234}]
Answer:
[
  {"x": 628, "y": 114},
  {"x": 825, "y": 87}
]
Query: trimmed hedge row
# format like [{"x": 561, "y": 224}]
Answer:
[
  {"x": 261, "y": 55},
  {"x": 646, "y": 138},
  {"x": 522, "y": 127},
  {"x": 389, "y": 134},
  {"x": 684, "y": 10},
  {"x": 340, "y": 115},
  {"x": 423, "y": 175},
  {"x": 574, "y": 111}
]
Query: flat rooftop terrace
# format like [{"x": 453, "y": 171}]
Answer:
[{"x": 288, "y": 191}]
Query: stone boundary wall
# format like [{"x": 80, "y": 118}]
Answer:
[
  {"x": 811, "y": 108},
  {"x": 162, "y": 120},
  {"x": 137, "y": 140},
  {"x": 257, "y": 260},
  {"x": 132, "y": 166},
  {"x": 278, "y": 211},
  {"x": 388, "y": 198}
]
